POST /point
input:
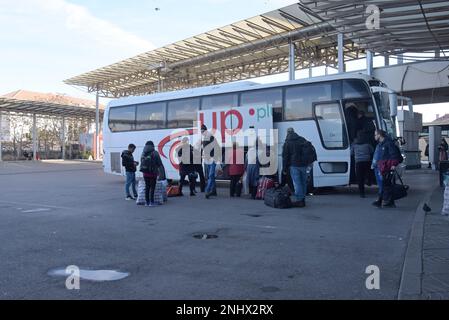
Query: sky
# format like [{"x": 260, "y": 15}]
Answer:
[{"x": 44, "y": 42}]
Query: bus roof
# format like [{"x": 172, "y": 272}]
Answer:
[{"x": 228, "y": 88}]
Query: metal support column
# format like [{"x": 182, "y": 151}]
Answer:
[
  {"x": 35, "y": 149},
  {"x": 400, "y": 58},
  {"x": 97, "y": 126},
  {"x": 291, "y": 61},
  {"x": 369, "y": 62},
  {"x": 63, "y": 138},
  {"x": 310, "y": 72},
  {"x": 434, "y": 143},
  {"x": 437, "y": 54},
  {"x": 386, "y": 60},
  {"x": 341, "y": 58}
]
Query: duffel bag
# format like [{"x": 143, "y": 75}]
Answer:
[
  {"x": 278, "y": 198},
  {"x": 173, "y": 191}
]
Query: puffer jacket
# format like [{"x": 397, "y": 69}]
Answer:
[
  {"x": 389, "y": 155},
  {"x": 189, "y": 167},
  {"x": 292, "y": 151},
  {"x": 128, "y": 161}
]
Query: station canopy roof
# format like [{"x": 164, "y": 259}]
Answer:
[
  {"x": 27, "y": 102},
  {"x": 258, "y": 46},
  {"x": 406, "y": 25}
]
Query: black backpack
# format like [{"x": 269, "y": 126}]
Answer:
[
  {"x": 308, "y": 153},
  {"x": 149, "y": 163}
]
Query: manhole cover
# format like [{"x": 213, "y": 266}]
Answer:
[{"x": 205, "y": 236}]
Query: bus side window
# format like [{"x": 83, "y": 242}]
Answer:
[
  {"x": 122, "y": 119},
  {"x": 219, "y": 101},
  {"x": 150, "y": 116},
  {"x": 182, "y": 113},
  {"x": 299, "y": 99},
  {"x": 271, "y": 98}
]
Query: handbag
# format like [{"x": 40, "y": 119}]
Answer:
[{"x": 399, "y": 191}]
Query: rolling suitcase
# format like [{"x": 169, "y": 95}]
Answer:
[{"x": 264, "y": 184}]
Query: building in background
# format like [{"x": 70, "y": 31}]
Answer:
[{"x": 17, "y": 128}]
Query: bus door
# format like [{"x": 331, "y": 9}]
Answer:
[{"x": 334, "y": 155}]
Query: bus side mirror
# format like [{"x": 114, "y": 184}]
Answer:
[{"x": 393, "y": 105}]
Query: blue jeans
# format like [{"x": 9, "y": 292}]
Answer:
[
  {"x": 130, "y": 181},
  {"x": 299, "y": 178},
  {"x": 210, "y": 177},
  {"x": 379, "y": 181}
]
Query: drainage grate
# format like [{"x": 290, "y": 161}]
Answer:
[{"x": 205, "y": 236}]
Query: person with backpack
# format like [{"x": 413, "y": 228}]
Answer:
[
  {"x": 186, "y": 166},
  {"x": 388, "y": 158},
  {"x": 130, "y": 168},
  {"x": 150, "y": 167},
  {"x": 297, "y": 155},
  {"x": 362, "y": 150}
]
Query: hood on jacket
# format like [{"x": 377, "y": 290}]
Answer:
[
  {"x": 126, "y": 153},
  {"x": 149, "y": 148},
  {"x": 293, "y": 136}
]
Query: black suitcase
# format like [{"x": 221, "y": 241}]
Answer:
[{"x": 278, "y": 198}]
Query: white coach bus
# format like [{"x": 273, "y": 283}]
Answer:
[{"x": 315, "y": 108}]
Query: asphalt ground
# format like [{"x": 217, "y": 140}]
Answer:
[{"x": 57, "y": 214}]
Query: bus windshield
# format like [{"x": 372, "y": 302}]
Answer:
[{"x": 383, "y": 104}]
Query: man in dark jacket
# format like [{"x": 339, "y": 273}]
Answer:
[
  {"x": 211, "y": 155},
  {"x": 186, "y": 166},
  {"x": 130, "y": 168},
  {"x": 293, "y": 160},
  {"x": 389, "y": 158}
]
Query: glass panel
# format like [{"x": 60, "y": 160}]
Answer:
[
  {"x": 182, "y": 113},
  {"x": 299, "y": 100},
  {"x": 150, "y": 116},
  {"x": 354, "y": 88},
  {"x": 122, "y": 119},
  {"x": 331, "y": 125},
  {"x": 220, "y": 101},
  {"x": 272, "y": 98}
]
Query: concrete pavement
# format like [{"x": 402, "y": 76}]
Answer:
[{"x": 54, "y": 215}]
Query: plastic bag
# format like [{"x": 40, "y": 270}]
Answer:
[{"x": 141, "y": 193}]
